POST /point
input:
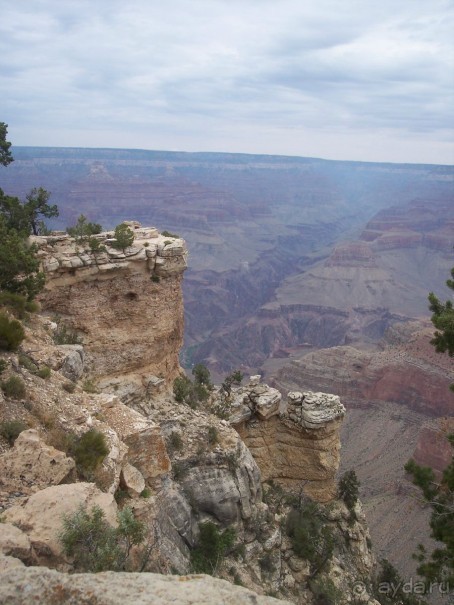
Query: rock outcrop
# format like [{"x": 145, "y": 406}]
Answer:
[
  {"x": 40, "y": 516},
  {"x": 294, "y": 443},
  {"x": 126, "y": 304},
  {"x": 23, "y": 586},
  {"x": 33, "y": 463}
]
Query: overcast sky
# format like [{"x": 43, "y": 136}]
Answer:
[{"x": 353, "y": 79}]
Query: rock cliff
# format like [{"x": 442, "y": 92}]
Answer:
[
  {"x": 295, "y": 443},
  {"x": 177, "y": 467},
  {"x": 126, "y": 304}
]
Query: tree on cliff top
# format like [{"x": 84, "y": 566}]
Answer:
[
  {"x": 5, "y": 153},
  {"x": 443, "y": 319},
  {"x": 124, "y": 237}
]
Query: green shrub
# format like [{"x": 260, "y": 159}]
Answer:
[
  {"x": 211, "y": 548},
  {"x": 32, "y": 306},
  {"x": 325, "y": 592},
  {"x": 96, "y": 546},
  {"x": 311, "y": 538},
  {"x": 181, "y": 388},
  {"x": 14, "y": 387},
  {"x": 16, "y": 303},
  {"x": 124, "y": 237},
  {"x": 168, "y": 234},
  {"x": 349, "y": 489},
  {"x": 212, "y": 435},
  {"x": 145, "y": 493},
  {"x": 90, "y": 450},
  {"x": 43, "y": 372},
  {"x": 27, "y": 362},
  {"x": 11, "y": 429},
  {"x": 11, "y": 333},
  {"x": 155, "y": 278},
  {"x": 3, "y": 365}
]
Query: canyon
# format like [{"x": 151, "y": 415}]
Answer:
[{"x": 314, "y": 274}]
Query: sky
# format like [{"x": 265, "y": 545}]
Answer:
[{"x": 353, "y": 80}]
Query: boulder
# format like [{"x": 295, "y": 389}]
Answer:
[
  {"x": 73, "y": 364},
  {"x": 33, "y": 464},
  {"x": 14, "y": 543},
  {"x": 41, "y": 515},
  {"x": 132, "y": 480}
]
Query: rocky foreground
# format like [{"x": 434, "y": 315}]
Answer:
[{"x": 242, "y": 460}]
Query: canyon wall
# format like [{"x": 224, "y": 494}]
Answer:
[{"x": 125, "y": 304}]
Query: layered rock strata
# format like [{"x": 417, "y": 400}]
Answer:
[
  {"x": 126, "y": 304},
  {"x": 295, "y": 443}
]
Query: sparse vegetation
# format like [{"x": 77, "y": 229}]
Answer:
[
  {"x": 155, "y": 278},
  {"x": 3, "y": 365},
  {"x": 311, "y": 538},
  {"x": 213, "y": 436},
  {"x": 94, "y": 545},
  {"x": 11, "y": 333},
  {"x": 90, "y": 450},
  {"x": 325, "y": 592},
  {"x": 84, "y": 229},
  {"x": 43, "y": 372},
  {"x": 14, "y": 387},
  {"x": 168, "y": 234},
  {"x": 11, "y": 429},
  {"x": 211, "y": 548}
]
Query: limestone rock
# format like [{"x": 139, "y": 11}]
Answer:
[
  {"x": 301, "y": 445},
  {"x": 8, "y": 563},
  {"x": 33, "y": 464},
  {"x": 23, "y": 586},
  {"x": 14, "y": 542},
  {"x": 146, "y": 447},
  {"x": 132, "y": 479},
  {"x": 315, "y": 410},
  {"x": 132, "y": 325},
  {"x": 40, "y": 516},
  {"x": 73, "y": 364}
]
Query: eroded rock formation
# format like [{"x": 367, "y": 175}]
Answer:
[
  {"x": 294, "y": 443},
  {"x": 126, "y": 304}
]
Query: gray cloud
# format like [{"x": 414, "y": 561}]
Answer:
[{"x": 306, "y": 78}]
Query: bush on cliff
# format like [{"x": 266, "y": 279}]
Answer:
[
  {"x": 11, "y": 429},
  {"x": 90, "y": 450},
  {"x": 11, "y": 333},
  {"x": 211, "y": 548},
  {"x": 349, "y": 489},
  {"x": 124, "y": 237},
  {"x": 311, "y": 538},
  {"x": 94, "y": 545},
  {"x": 14, "y": 387}
]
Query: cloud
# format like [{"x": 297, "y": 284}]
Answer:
[{"x": 84, "y": 73}]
